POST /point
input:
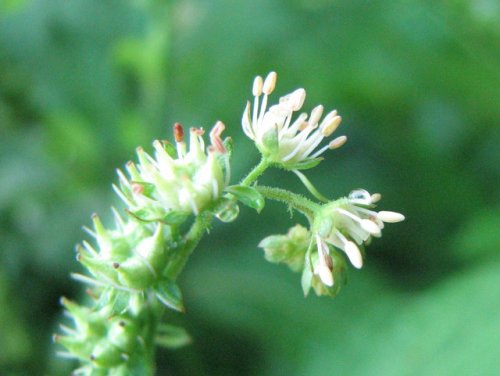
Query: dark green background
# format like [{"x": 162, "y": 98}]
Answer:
[{"x": 83, "y": 82}]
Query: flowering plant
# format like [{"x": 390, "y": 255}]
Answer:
[{"x": 172, "y": 198}]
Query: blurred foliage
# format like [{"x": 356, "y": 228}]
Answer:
[{"x": 83, "y": 82}]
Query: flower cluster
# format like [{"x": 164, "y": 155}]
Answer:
[
  {"x": 177, "y": 181},
  {"x": 347, "y": 224},
  {"x": 290, "y": 144},
  {"x": 134, "y": 265}
]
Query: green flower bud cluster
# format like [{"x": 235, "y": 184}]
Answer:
[
  {"x": 289, "y": 249},
  {"x": 176, "y": 182},
  {"x": 108, "y": 343},
  {"x": 133, "y": 266}
]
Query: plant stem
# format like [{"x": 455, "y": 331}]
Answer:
[
  {"x": 192, "y": 238},
  {"x": 296, "y": 201},
  {"x": 256, "y": 172}
]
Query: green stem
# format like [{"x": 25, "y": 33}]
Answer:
[
  {"x": 296, "y": 201},
  {"x": 192, "y": 238},
  {"x": 256, "y": 172}
]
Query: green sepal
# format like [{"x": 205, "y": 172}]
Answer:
[
  {"x": 98, "y": 268},
  {"x": 303, "y": 165},
  {"x": 270, "y": 141},
  {"x": 148, "y": 188},
  {"x": 248, "y": 196},
  {"x": 174, "y": 218},
  {"x": 106, "y": 355},
  {"x": 169, "y": 148},
  {"x": 307, "y": 273},
  {"x": 123, "y": 334},
  {"x": 170, "y": 295},
  {"x": 172, "y": 337},
  {"x": 115, "y": 300},
  {"x": 228, "y": 144},
  {"x": 144, "y": 215},
  {"x": 135, "y": 273}
]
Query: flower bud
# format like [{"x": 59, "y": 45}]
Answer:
[{"x": 289, "y": 249}]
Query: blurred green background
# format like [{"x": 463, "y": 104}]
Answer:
[{"x": 83, "y": 82}]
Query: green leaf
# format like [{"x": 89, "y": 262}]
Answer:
[
  {"x": 170, "y": 295},
  {"x": 249, "y": 196},
  {"x": 172, "y": 337}
]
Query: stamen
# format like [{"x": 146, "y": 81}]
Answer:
[
  {"x": 376, "y": 197},
  {"x": 390, "y": 216},
  {"x": 257, "y": 86},
  {"x": 178, "y": 133},
  {"x": 270, "y": 83},
  {"x": 297, "y": 99},
  {"x": 315, "y": 115},
  {"x": 299, "y": 140},
  {"x": 370, "y": 226},
  {"x": 367, "y": 225},
  {"x": 215, "y": 138},
  {"x": 351, "y": 250},
  {"x": 179, "y": 140},
  {"x": 331, "y": 126},
  {"x": 298, "y": 124},
  {"x": 338, "y": 142}
]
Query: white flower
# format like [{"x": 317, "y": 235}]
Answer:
[
  {"x": 280, "y": 139},
  {"x": 176, "y": 180},
  {"x": 346, "y": 224}
]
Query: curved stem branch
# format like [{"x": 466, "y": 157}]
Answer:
[
  {"x": 296, "y": 201},
  {"x": 256, "y": 172}
]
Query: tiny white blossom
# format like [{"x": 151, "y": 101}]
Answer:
[
  {"x": 350, "y": 222},
  {"x": 280, "y": 138}
]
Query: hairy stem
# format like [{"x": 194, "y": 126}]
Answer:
[
  {"x": 192, "y": 238},
  {"x": 256, "y": 172},
  {"x": 296, "y": 201}
]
